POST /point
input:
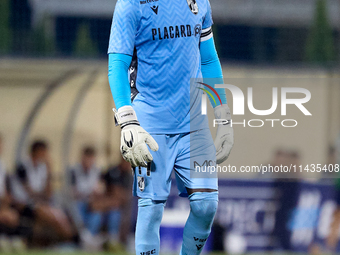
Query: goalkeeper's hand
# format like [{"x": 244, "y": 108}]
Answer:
[
  {"x": 225, "y": 134},
  {"x": 134, "y": 138}
]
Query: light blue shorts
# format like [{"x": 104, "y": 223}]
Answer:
[{"x": 186, "y": 154}]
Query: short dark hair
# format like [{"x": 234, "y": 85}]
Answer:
[
  {"x": 38, "y": 145},
  {"x": 89, "y": 151}
]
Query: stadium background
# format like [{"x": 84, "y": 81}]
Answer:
[{"x": 53, "y": 76}]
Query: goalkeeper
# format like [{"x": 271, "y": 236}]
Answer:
[{"x": 166, "y": 44}]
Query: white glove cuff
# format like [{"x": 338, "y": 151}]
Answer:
[
  {"x": 125, "y": 116},
  {"x": 222, "y": 112}
]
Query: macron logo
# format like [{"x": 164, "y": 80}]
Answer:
[{"x": 155, "y": 9}]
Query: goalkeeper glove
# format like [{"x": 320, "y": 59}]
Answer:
[
  {"x": 134, "y": 138},
  {"x": 224, "y": 140}
]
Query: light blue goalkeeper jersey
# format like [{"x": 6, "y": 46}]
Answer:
[{"x": 166, "y": 35}]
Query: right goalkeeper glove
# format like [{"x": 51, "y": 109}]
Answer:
[
  {"x": 224, "y": 140},
  {"x": 134, "y": 138}
]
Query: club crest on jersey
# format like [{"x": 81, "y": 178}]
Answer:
[
  {"x": 193, "y": 6},
  {"x": 141, "y": 183}
]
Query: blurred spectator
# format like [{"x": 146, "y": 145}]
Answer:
[
  {"x": 35, "y": 173},
  {"x": 332, "y": 157},
  {"x": 117, "y": 203},
  {"x": 293, "y": 162},
  {"x": 282, "y": 161},
  {"x": 9, "y": 218},
  {"x": 280, "y": 158},
  {"x": 294, "y": 158},
  {"x": 31, "y": 188},
  {"x": 85, "y": 181}
]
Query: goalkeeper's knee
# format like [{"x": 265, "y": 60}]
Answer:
[
  {"x": 203, "y": 206},
  {"x": 149, "y": 219}
]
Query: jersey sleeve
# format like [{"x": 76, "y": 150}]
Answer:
[
  {"x": 207, "y": 21},
  {"x": 124, "y": 27},
  {"x": 207, "y": 32},
  {"x": 212, "y": 71}
]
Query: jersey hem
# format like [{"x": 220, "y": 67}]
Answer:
[{"x": 173, "y": 132}]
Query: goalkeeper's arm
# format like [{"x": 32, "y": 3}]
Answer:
[
  {"x": 211, "y": 68},
  {"x": 118, "y": 78},
  {"x": 133, "y": 137}
]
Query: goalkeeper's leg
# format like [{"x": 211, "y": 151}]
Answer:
[
  {"x": 152, "y": 186},
  {"x": 203, "y": 207},
  {"x": 202, "y": 188},
  {"x": 148, "y": 224}
]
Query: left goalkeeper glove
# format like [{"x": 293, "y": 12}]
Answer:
[
  {"x": 224, "y": 140},
  {"x": 134, "y": 139}
]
